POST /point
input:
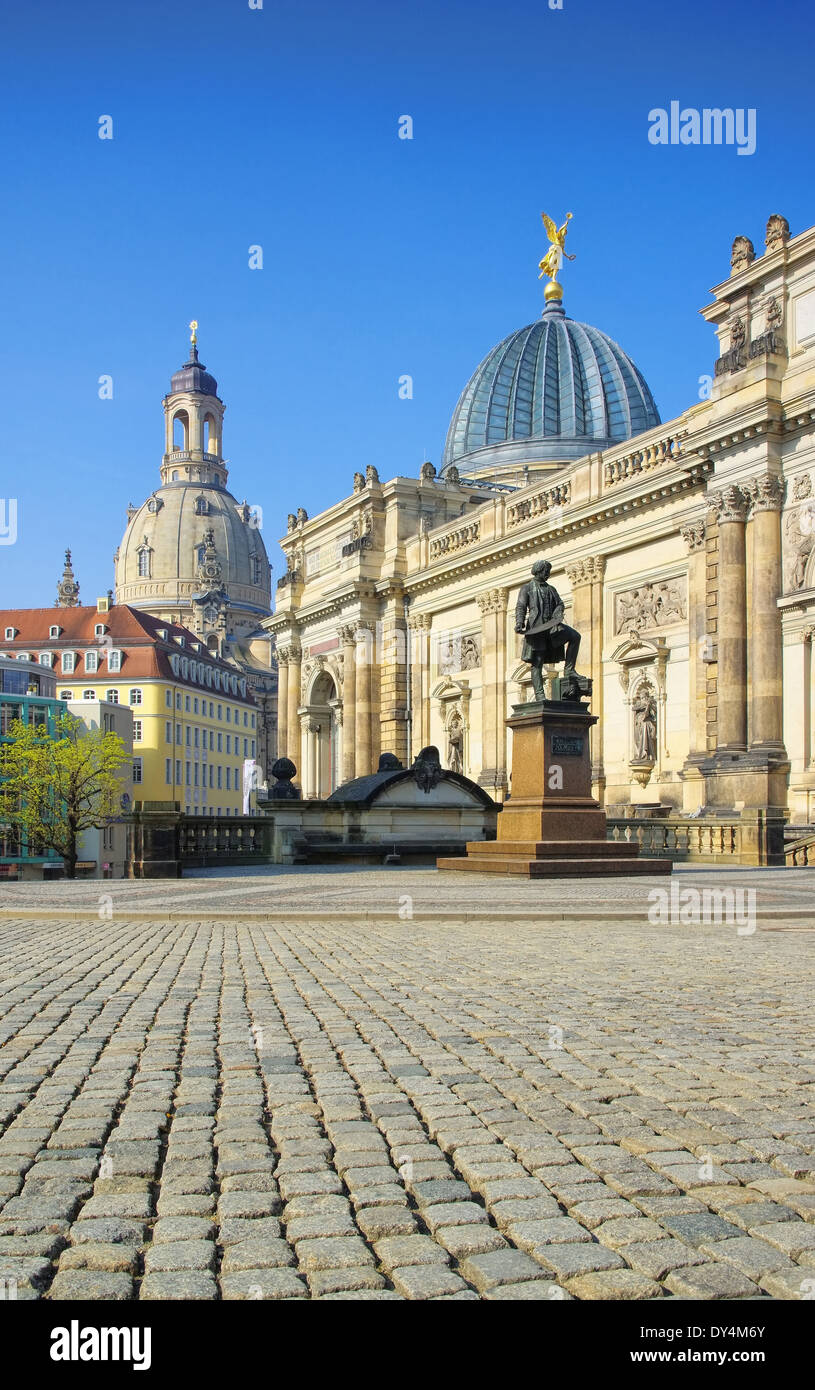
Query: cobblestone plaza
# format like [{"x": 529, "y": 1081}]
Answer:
[{"x": 376, "y": 1085}]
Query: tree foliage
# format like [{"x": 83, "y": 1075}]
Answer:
[{"x": 53, "y": 788}]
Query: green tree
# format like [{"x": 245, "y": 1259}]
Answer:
[{"x": 53, "y": 788}]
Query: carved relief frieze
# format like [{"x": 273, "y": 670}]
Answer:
[{"x": 651, "y": 606}]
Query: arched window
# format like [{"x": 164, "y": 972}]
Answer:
[
  {"x": 181, "y": 431},
  {"x": 201, "y": 506},
  {"x": 145, "y": 562},
  {"x": 210, "y": 439}
]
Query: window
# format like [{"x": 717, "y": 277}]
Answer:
[
  {"x": 253, "y": 721},
  {"x": 211, "y": 740},
  {"x": 168, "y": 732},
  {"x": 246, "y": 748},
  {"x": 66, "y": 694},
  {"x": 145, "y": 556},
  {"x": 178, "y": 770},
  {"x": 219, "y": 784},
  {"x": 68, "y": 662},
  {"x": 135, "y": 697},
  {"x": 11, "y": 633},
  {"x": 228, "y": 775},
  {"x": 195, "y": 706},
  {"x": 91, "y": 662},
  {"x": 46, "y": 658},
  {"x": 99, "y": 630},
  {"x": 211, "y": 771},
  {"x": 229, "y": 743},
  {"x": 112, "y": 696},
  {"x": 114, "y": 659},
  {"x": 187, "y": 735},
  {"x": 137, "y": 770},
  {"x": 253, "y": 748},
  {"x": 245, "y": 718},
  {"x": 88, "y": 694},
  {"x": 178, "y": 737},
  {"x": 168, "y": 698},
  {"x": 137, "y": 723},
  {"x": 211, "y": 713},
  {"x": 228, "y": 715},
  {"x": 187, "y": 774},
  {"x": 52, "y": 631},
  {"x": 168, "y": 770},
  {"x": 187, "y": 704},
  {"x": 220, "y": 712},
  {"x": 178, "y": 699},
  {"x": 220, "y": 742},
  {"x": 196, "y": 736}
]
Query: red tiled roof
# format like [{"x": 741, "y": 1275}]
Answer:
[{"x": 145, "y": 655}]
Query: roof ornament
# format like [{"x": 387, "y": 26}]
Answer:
[
  {"x": 553, "y": 260},
  {"x": 193, "y": 340}
]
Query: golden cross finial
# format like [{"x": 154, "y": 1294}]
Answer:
[{"x": 194, "y": 334}]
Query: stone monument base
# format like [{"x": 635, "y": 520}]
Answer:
[{"x": 552, "y": 827}]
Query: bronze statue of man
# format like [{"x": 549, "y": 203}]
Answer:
[{"x": 538, "y": 616}]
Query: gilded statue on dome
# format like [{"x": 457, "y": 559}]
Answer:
[{"x": 553, "y": 260}]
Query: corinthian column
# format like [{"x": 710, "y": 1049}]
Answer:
[
  {"x": 586, "y": 578},
  {"x": 696, "y": 542},
  {"x": 766, "y": 693},
  {"x": 731, "y": 507},
  {"x": 282, "y": 701},
  {"x": 364, "y": 656},
  {"x": 419, "y": 638},
  {"x": 349, "y": 701},
  {"x": 493, "y": 774},
  {"x": 293, "y": 703}
]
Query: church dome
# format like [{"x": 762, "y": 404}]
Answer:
[
  {"x": 550, "y": 393},
  {"x": 162, "y": 552}
]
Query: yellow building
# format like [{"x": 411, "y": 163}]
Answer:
[{"x": 195, "y": 734}]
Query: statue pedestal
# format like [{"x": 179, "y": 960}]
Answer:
[{"x": 552, "y": 826}]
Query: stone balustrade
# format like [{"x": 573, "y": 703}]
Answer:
[
  {"x": 539, "y": 505},
  {"x": 455, "y": 540},
  {"x": 648, "y": 454}
]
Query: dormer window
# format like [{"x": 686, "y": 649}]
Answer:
[
  {"x": 99, "y": 630},
  {"x": 114, "y": 659},
  {"x": 201, "y": 506},
  {"x": 145, "y": 555},
  {"x": 46, "y": 658},
  {"x": 162, "y": 633},
  {"x": 11, "y": 633},
  {"x": 68, "y": 662},
  {"x": 54, "y": 631},
  {"x": 91, "y": 662}
]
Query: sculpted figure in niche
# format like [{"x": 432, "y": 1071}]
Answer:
[
  {"x": 645, "y": 726},
  {"x": 455, "y": 745}
]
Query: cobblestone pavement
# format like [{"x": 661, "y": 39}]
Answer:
[
  {"x": 306, "y": 1108},
  {"x": 780, "y": 895}
]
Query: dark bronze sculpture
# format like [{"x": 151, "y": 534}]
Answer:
[{"x": 539, "y": 618}]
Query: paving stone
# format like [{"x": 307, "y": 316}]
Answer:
[
  {"x": 427, "y": 1281},
  {"x": 792, "y": 1238},
  {"x": 499, "y": 1267},
  {"x": 323, "y": 1282},
  {"x": 90, "y": 1286},
  {"x": 339, "y": 1252},
  {"x": 462, "y": 1241},
  {"x": 256, "y": 1252},
  {"x": 531, "y": 1289},
  {"x": 615, "y": 1284},
  {"x": 92, "y": 1255},
  {"x": 710, "y": 1281},
  {"x": 179, "y": 1285},
  {"x": 750, "y": 1256},
  {"x": 788, "y": 1283},
  {"x": 700, "y": 1228},
  {"x": 568, "y": 1260},
  {"x": 179, "y": 1254},
  {"x": 658, "y": 1257},
  {"x": 395, "y": 1252}
]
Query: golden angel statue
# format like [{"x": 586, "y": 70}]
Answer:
[{"x": 553, "y": 260}]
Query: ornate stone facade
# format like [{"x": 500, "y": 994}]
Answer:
[{"x": 683, "y": 555}]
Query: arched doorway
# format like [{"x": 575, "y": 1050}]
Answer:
[{"x": 321, "y": 722}]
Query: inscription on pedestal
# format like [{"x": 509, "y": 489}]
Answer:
[{"x": 567, "y": 747}]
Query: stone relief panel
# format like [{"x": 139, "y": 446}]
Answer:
[
  {"x": 651, "y": 606},
  {"x": 459, "y": 652},
  {"x": 799, "y": 526}
]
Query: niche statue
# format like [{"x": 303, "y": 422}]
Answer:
[{"x": 547, "y": 639}]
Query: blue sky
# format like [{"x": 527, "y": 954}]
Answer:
[{"x": 382, "y": 257}]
